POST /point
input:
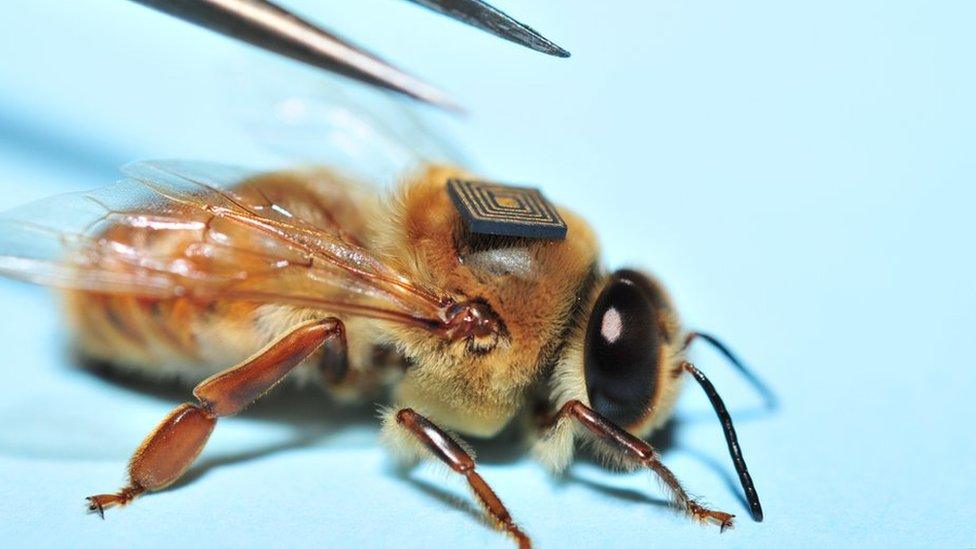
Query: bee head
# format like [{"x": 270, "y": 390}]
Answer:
[{"x": 632, "y": 359}]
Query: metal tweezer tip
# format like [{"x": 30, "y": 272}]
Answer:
[
  {"x": 267, "y": 26},
  {"x": 490, "y": 19}
]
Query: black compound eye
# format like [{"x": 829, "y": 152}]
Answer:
[{"x": 622, "y": 350}]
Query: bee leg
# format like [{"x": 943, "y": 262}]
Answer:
[
  {"x": 454, "y": 456},
  {"x": 163, "y": 455},
  {"x": 334, "y": 364},
  {"x": 639, "y": 451},
  {"x": 172, "y": 446}
]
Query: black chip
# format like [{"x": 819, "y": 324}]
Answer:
[{"x": 504, "y": 210}]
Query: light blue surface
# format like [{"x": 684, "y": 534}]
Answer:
[{"x": 799, "y": 173}]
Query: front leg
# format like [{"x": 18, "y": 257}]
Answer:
[
  {"x": 173, "y": 445},
  {"x": 639, "y": 452},
  {"x": 446, "y": 449}
]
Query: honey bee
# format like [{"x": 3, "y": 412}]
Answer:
[{"x": 236, "y": 281}]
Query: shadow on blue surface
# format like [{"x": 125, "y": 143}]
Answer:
[
  {"x": 315, "y": 418},
  {"x": 58, "y": 146}
]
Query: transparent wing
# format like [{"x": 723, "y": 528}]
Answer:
[
  {"x": 196, "y": 230},
  {"x": 308, "y": 118}
]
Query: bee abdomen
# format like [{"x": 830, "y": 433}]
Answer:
[{"x": 160, "y": 337}]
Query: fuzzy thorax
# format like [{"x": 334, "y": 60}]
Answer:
[{"x": 530, "y": 285}]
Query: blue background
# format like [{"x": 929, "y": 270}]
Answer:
[{"x": 800, "y": 174}]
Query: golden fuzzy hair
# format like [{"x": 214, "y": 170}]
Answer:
[{"x": 478, "y": 393}]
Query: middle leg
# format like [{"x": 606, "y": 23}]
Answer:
[{"x": 454, "y": 456}]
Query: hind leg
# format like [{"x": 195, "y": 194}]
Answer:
[{"x": 172, "y": 446}]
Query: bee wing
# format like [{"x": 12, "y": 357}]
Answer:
[
  {"x": 185, "y": 229},
  {"x": 308, "y": 118}
]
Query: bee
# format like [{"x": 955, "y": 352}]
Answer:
[{"x": 236, "y": 281}]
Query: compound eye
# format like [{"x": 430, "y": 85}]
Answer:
[{"x": 622, "y": 350}]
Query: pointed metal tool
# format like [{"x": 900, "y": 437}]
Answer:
[
  {"x": 268, "y": 26},
  {"x": 490, "y": 19}
]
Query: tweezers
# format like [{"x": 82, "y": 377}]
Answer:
[{"x": 271, "y": 27}]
